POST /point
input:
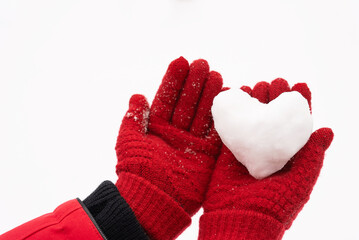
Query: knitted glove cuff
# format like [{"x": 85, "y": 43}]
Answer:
[
  {"x": 159, "y": 214},
  {"x": 112, "y": 214},
  {"x": 239, "y": 225}
]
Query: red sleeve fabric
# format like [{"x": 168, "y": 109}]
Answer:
[{"x": 68, "y": 221}]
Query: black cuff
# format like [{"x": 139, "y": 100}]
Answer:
[{"x": 113, "y": 215}]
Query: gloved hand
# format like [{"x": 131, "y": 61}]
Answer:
[
  {"x": 166, "y": 153},
  {"x": 237, "y": 206}
]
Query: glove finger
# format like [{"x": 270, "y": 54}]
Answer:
[
  {"x": 188, "y": 100},
  {"x": 260, "y": 91},
  {"x": 247, "y": 90},
  {"x": 277, "y": 87},
  {"x": 303, "y": 89},
  {"x": 136, "y": 117},
  {"x": 169, "y": 91},
  {"x": 203, "y": 117}
]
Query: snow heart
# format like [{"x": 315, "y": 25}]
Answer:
[{"x": 263, "y": 137}]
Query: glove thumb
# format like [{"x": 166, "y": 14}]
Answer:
[
  {"x": 309, "y": 160},
  {"x": 136, "y": 118}
]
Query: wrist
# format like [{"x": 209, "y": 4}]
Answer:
[
  {"x": 112, "y": 215},
  {"x": 159, "y": 214}
]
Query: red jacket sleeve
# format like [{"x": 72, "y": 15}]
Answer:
[{"x": 69, "y": 221}]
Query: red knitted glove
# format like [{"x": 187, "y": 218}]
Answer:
[
  {"x": 237, "y": 206},
  {"x": 165, "y": 160}
]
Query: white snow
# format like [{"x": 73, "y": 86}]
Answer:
[{"x": 263, "y": 137}]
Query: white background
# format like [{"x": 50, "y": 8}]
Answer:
[{"x": 68, "y": 68}]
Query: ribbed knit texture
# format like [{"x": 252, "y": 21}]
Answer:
[
  {"x": 153, "y": 207},
  {"x": 166, "y": 153},
  {"x": 113, "y": 215},
  {"x": 239, "y": 225},
  {"x": 238, "y": 206}
]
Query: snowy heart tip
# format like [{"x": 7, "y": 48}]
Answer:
[{"x": 263, "y": 137}]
